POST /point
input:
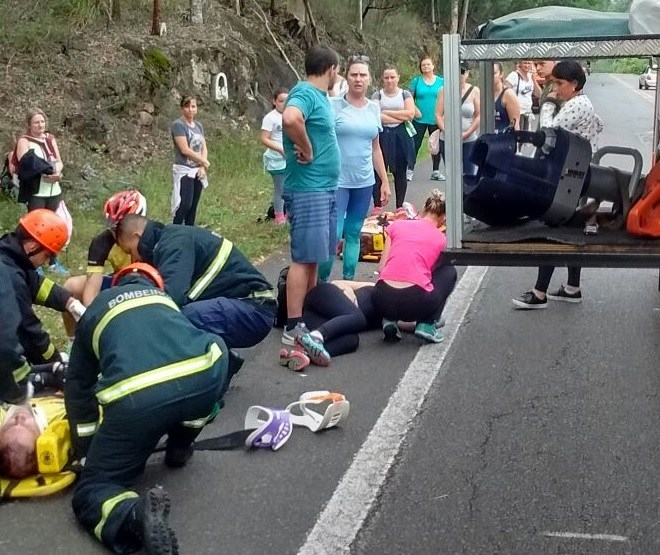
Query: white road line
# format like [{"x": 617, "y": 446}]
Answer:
[
  {"x": 644, "y": 94},
  {"x": 343, "y": 516},
  {"x": 578, "y": 536}
]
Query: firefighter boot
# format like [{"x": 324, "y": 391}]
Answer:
[{"x": 157, "y": 536}]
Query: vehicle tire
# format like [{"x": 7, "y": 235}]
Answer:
[
  {"x": 640, "y": 86},
  {"x": 646, "y": 87}
]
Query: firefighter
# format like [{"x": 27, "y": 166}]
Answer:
[
  {"x": 154, "y": 374},
  {"x": 104, "y": 249},
  {"x": 39, "y": 235},
  {"x": 13, "y": 367},
  {"x": 217, "y": 287}
]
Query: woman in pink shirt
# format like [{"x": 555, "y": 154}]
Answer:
[{"x": 413, "y": 284}]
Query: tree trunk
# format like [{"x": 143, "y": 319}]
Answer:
[
  {"x": 196, "y": 15},
  {"x": 272, "y": 8},
  {"x": 464, "y": 14},
  {"x": 155, "y": 19},
  {"x": 116, "y": 10},
  {"x": 312, "y": 23},
  {"x": 453, "y": 25}
]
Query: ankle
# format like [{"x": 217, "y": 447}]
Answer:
[{"x": 539, "y": 294}]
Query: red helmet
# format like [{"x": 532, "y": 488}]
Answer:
[
  {"x": 143, "y": 268},
  {"x": 125, "y": 202},
  {"x": 46, "y": 228}
]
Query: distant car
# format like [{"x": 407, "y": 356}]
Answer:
[{"x": 649, "y": 79}]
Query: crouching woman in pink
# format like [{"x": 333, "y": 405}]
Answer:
[{"x": 414, "y": 284}]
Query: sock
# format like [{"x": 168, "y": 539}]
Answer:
[
  {"x": 292, "y": 322},
  {"x": 316, "y": 334},
  {"x": 571, "y": 289}
]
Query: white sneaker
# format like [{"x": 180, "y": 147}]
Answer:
[
  {"x": 437, "y": 176},
  {"x": 409, "y": 175}
]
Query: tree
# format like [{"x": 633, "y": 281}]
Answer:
[
  {"x": 155, "y": 19},
  {"x": 196, "y": 15},
  {"x": 116, "y": 10}
]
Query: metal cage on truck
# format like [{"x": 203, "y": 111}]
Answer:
[{"x": 461, "y": 248}]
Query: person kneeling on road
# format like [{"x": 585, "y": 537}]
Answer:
[
  {"x": 154, "y": 374},
  {"x": 218, "y": 288},
  {"x": 40, "y": 234},
  {"x": 103, "y": 248}
]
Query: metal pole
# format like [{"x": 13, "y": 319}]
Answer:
[
  {"x": 453, "y": 142},
  {"x": 487, "y": 122},
  {"x": 433, "y": 21}
]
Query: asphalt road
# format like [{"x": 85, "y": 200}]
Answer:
[{"x": 518, "y": 431}]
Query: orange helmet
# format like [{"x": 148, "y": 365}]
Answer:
[
  {"x": 46, "y": 228},
  {"x": 125, "y": 202},
  {"x": 143, "y": 268}
]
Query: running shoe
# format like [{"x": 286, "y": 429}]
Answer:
[
  {"x": 428, "y": 332},
  {"x": 409, "y": 175},
  {"x": 437, "y": 176},
  {"x": 562, "y": 295},
  {"x": 294, "y": 359},
  {"x": 391, "y": 331},
  {"x": 313, "y": 348}
]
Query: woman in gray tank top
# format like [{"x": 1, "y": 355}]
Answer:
[{"x": 470, "y": 119}]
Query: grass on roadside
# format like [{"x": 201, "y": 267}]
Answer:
[{"x": 239, "y": 193}]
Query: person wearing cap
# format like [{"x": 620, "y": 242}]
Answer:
[
  {"x": 103, "y": 249},
  {"x": 155, "y": 375},
  {"x": 215, "y": 285},
  {"x": 40, "y": 234}
]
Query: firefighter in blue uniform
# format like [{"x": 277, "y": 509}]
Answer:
[
  {"x": 218, "y": 289},
  {"x": 154, "y": 374},
  {"x": 39, "y": 235}
]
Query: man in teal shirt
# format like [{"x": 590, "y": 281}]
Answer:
[{"x": 310, "y": 182}]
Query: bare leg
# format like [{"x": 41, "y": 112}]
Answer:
[
  {"x": 74, "y": 285},
  {"x": 301, "y": 278}
]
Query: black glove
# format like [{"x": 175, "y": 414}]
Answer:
[
  {"x": 11, "y": 392},
  {"x": 48, "y": 376}
]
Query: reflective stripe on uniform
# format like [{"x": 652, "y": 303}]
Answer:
[
  {"x": 85, "y": 429},
  {"x": 156, "y": 376},
  {"x": 214, "y": 268},
  {"x": 44, "y": 290},
  {"x": 123, "y": 307},
  {"x": 201, "y": 422},
  {"x": 21, "y": 372},
  {"x": 95, "y": 269},
  {"x": 108, "y": 506},
  {"x": 49, "y": 352}
]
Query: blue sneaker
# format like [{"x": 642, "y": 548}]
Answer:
[
  {"x": 57, "y": 268},
  {"x": 428, "y": 332},
  {"x": 314, "y": 349}
]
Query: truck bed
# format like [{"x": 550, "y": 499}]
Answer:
[{"x": 534, "y": 243}]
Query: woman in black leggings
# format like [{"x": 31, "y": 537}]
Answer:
[{"x": 337, "y": 312}]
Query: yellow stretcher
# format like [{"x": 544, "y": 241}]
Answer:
[{"x": 54, "y": 450}]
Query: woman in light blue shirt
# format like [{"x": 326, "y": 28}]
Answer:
[{"x": 357, "y": 125}]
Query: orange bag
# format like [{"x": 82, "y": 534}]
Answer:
[{"x": 644, "y": 217}]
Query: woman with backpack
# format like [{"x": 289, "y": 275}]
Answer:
[{"x": 47, "y": 193}]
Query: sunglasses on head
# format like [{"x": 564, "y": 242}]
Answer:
[{"x": 359, "y": 59}]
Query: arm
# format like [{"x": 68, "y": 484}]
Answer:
[
  {"x": 22, "y": 147},
  {"x": 399, "y": 116},
  {"x": 379, "y": 166},
  {"x": 79, "y": 393},
  {"x": 440, "y": 110},
  {"x": 269, "y": 143},
  {"x": 293, "y": 124},
  {"x": 476, "y": 118},
  {"x": 386, "y": 253},
  {"x": 512, "y": 107},
  {"x": 182, "y": 144}
]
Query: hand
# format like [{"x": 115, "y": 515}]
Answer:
[
  {"x": 206, "y": 164},
  {"x": 465, "y": 135},
  {"x": 385, "y": 193},
  {"x": 301, "y": 156},
  {"x": 201, "y": 172}
]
